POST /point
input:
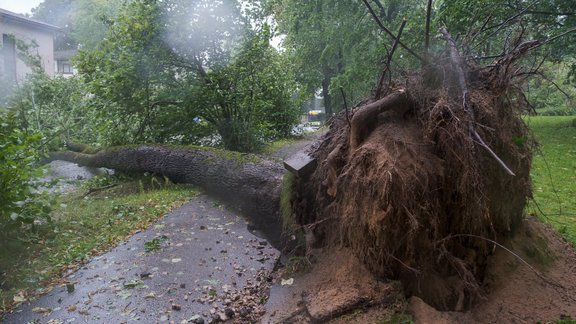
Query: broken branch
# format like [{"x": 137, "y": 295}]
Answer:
[
  {"x": 389, "y": 60},
  {"x": 387, "y": 31}
]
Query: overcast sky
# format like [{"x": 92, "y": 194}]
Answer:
[{"x": 19, "y": 6}]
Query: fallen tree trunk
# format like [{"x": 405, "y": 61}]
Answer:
[{"x": 246, "y": 182}]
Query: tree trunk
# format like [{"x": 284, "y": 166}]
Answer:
[
  {"x": 326, "y": 92},
  {"x": 246, "y": 182}
]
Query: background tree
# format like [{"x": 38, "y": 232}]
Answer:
[
  {"x": 337, "y": 44},
  {"x": 251, "y": 99},
  {"x": 498, "y": 26},
  {"x": 128, "y": 71},
  {"x": 83, "y": 22}
]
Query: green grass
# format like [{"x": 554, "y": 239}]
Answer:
[
  {"x": 84, "y": 226},
  {"x": 554, "y": 173},
  {"x": 278, "y": 144}
]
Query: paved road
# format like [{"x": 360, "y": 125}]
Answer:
[{"x": 208, "y": 267}]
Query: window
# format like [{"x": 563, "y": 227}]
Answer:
[
  {"x": 9, "y": 56},
  {"x": 64, "y": 67}
]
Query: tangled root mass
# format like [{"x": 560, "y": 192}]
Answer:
[{"x": 406, "y": 186}]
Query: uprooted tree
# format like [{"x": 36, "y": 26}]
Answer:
[{"x": 419, "y": 181}]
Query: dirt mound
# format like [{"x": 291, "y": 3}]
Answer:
[
  {"x": 545, "y": 291},
  {"x": 532, "y": 280}
]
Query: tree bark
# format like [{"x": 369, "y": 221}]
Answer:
[{"x": 248, "y": 183}]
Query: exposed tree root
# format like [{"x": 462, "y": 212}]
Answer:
[{"x": 428, "y": 161}]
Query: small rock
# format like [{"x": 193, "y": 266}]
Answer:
[
  {"x": 145, "y": 275},
  {"x": 244, "y": 311},
  {"x": 196, "y": 319},
  {"x": 176, "y": 307},
  {"x": 222, "y": 317},
  {"x": 229, "y": 312}
]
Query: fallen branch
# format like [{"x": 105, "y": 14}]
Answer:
[{"x": 93, "y": 190}]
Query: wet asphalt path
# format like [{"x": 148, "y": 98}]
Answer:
[{"x": 204, "y": 266}]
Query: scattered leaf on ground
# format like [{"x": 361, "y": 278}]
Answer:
[
  {"x": 19, "y": 298},
  {"x": 41, "y": 310},
  {"x": 124, "y": 294}
]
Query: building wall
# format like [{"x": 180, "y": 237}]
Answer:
[{"x": 43, "y": 38}]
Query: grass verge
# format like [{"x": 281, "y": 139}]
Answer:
[
  {"x": 32, "y": 261},
  {"x": 554, "y": 173}
]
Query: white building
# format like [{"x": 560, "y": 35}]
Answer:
[{"x": 15, "y": 28}]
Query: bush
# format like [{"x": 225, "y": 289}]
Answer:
[
  {"x": 60, "y": 109},
  {"x": 22, "y": 200}
]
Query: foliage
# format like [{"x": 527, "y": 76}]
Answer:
[
  {"x": 127, "y": 72},
  {"x": 543, "y": 91},
  {"x": 23, "y": 200},
  {"x": 554, "y": 173},
  {"x": 337, "y": 44},
  {"x": 83, "y": 22},
  {"x": 81, "y": 228},
  {"x": 499, "y": 26},
  {"x": 250, "y": 100},
  {"x": 155, "y": 244},
  {"x": 159, "y": 78},
  {"x": 506, "y": 19},
  {"x": 60, "y": 108}
]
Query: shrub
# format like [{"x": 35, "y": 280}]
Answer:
[{"x": 22, "y": 199}]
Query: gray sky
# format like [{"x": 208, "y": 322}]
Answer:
[{"x": 19, "y": 6}]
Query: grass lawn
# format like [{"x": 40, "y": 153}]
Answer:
[
  {"x": 554, "y": 173},
  {"x": 83, "y": 226}
]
